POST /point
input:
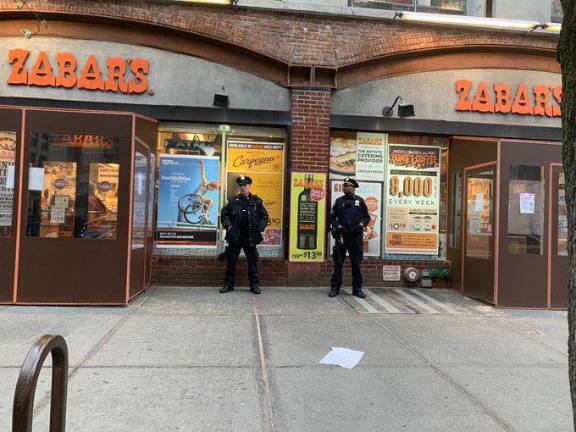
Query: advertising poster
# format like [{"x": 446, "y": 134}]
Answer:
[
  {"x": 102, "y": 201},
  {"x": 188, "y": 201},
  {"x": 370, "y": 156},
  {"x": 307, "y": 217},
  {"x": 413, "y": 199},
  {"x": 7, "y": 169},
  {"x": 58, "y": 200},
  {"x": 264, "y": 164},
  {"x": 361, "y": 156},
  {"x": 372, "y": 194}
]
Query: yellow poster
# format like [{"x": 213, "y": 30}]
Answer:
[
  {"x": 307, "y": 217},
  {"x": 264, "y": 164}
]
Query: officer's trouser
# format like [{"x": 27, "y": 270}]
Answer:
[
  {"x": 252, "y": 258},
  {"x": 352, "y": 245}
]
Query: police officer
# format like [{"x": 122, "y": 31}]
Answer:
[
  {"x": 348, "y": 219},
  {"x": 245, "y": 218}
]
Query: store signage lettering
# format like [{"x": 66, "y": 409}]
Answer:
[
  {"x": 117, "y": 75},
  {"x": 537, "y": 100}
]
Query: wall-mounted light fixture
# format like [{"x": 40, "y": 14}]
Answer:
[
  {"x": 404, "y": 109},
  {"x": 477, "y": 22},
  {"x": 221, "y": 99}
]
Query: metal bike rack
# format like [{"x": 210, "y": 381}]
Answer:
[{"x": 23, "y": 408}]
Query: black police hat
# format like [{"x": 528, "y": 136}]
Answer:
[
  {"x": 243, "y": 180},
  {"x": 351, "y": 181}
]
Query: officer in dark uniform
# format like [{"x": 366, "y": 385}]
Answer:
[
  {"x": 348, "y": 219},
  {"x": 245, "y": 218}
]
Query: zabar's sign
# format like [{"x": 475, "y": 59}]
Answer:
[
  {"x": 537, "y": 100},
  {"x": 116, "y": 74}
]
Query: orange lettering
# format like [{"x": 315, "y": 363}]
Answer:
[
  {"x": 116, "y": 71},
  {"x": 66, "y": 70},
  {"x": 91, "y": 77},
  {"x": 19, "y": 74},
  {"x": 483, "y": 100},
  {"x": 542, "y": 101},
  {"x": 556, "y": 109},
  {"x": 41, "y": 74},
  {"x": 463, "y": 88},
  {"x": 139, "y": 68},
  {"x": 522, "y": 103},
  {"x": 503, "y": 104}
]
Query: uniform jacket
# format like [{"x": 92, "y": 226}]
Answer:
[
  {"x": 351, "y": 213},
  {"x": 257, "y": 218}
]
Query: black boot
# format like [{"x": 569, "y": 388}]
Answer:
[
  {"x": 359, "y": 293},
  {"x": 255, "y": 289},
  {"x": 334, "y": 292},
  {"x": 226, "y": 288}
]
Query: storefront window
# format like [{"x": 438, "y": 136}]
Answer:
[
  {"x": 198, "y": 167},
  {"x": 479, "y": 214},
  {"x": 7, "y": 171},
  {"x": 140, "y": 193},
  {"x": 562, "y": 217},
  {"x": 526, "y": 210},
  {"x": 456, "y": 210},
  {"x": 73, "y": 186}
]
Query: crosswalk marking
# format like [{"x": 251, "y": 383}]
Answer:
[
  {"x": 417, "y": 301},
  {"x": 436, "y": 302},
  {"x": 378, "y": 299},
  {"x": 404, "y": 301}
]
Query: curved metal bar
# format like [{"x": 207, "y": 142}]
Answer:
[{"x": 23, "y": 408}]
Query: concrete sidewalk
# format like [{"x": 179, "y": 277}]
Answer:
[{"x": 187, "y": 359}]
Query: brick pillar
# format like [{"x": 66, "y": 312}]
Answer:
[{"x": 309, "y": 151}]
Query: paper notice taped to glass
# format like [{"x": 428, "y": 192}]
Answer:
[
  {"x": 36, "y": 179},
  {"x": 343, "y": 357},
  {"x": 10, "y": 177},
  {"x": 526, "y": 203}
]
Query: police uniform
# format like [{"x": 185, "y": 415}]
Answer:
[
  {"x": 245, "y": 218},
  {"x": 348, "y": 218}
]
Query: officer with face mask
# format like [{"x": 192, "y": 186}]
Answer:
[{"x": 348, "y": 219}]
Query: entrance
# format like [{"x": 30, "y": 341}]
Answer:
[{"x": 478, "y": 247}]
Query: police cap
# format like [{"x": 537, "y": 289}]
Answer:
[
  {"x": 243, "y": 180},
  {"x": 351, "y": 182}
]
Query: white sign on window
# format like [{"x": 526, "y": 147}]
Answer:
[
  {"x": 36, "y": 179},
  {"x": 526, "y": 203}
]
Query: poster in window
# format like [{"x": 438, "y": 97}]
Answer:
[
  {"x": 370, "y": 156},
  {"x": 372, "y": 194},
  {"x": 58, "y": 200},
  {"x": 7, "y": 170},
  {"x": 188, "y": 198},
  {"x": 342, "y": 157},
  {"x": 264, "y": 164},
  {"x": 102, "y": 220},
  {"x": 140, "y": 193},
  {"x": 413, "y": 199},
  {"x": 307, "y": 217}
]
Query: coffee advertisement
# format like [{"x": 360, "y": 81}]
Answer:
[
  {"x": 264, "y": 164},
  {"x": 372, "y": 194},
  {"x": 413, "y": 199},
  {"x": 7, "y": 170}
]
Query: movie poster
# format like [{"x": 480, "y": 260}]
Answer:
[
  {"x": 372, "y": 194},
  {"x": 188, "y": 197},
  {"x": 264, "y": 164},
  {"x": 307, "y": 217},
  {"x": 413, "y": 199},
  {"x": 7, "y": 172}
]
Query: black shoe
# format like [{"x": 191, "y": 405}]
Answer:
[
  {"x": 333, "y": 292},
  {"x": 255, "y": 289},
  {"x": 359, "y": 293},
  {"x": 226, "y": 288}
]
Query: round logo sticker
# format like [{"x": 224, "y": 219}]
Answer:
[
  {"x": 104, "y": 186},
  {"x": 317, "y": 194},
  {"x": 60, "y": 183},
  {"x": 372, "y": 204}
]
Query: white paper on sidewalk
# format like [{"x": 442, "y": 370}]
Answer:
[{"x": 343, "y": 357}]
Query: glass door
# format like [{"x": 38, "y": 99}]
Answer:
[
  {"x": 478, "y": 246},
  {"x": 559, "y": 263}
]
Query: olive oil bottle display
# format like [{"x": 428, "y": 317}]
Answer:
[{"x": 307, "y": 217}]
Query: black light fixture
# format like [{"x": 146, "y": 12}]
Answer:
[
  {"x": 221, "y": 99},
  {"x": 404, "y": 109}
]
